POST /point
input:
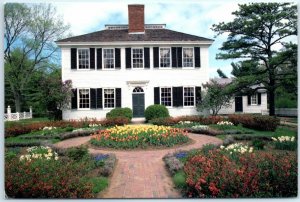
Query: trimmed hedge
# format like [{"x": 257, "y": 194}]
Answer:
[
  {"x": 170, "y": 121},
  {"x": 257, "y": 122},
  {"x": 120, "y": 112},
  {"x": 156, "y": 111}
]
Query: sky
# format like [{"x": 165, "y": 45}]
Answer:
[{"x": 192, "y": 17}]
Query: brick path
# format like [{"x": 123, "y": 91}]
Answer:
[{"x": 141, "y": 174}]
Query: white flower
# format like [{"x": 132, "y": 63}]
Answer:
[
  {"x": 222, "y": 147},
  {"x": 56, "y": 158}
]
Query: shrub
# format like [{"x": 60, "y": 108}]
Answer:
[
  {"x": 258, "y": 144},
  {"x": 257, "y": 122},
  {"x": 173, "y": 164},
  {"x": 260, "y": 174},
  {"x": 77, "y": 153},
  {"x": 169, "y": 121},
  {"x": 119, "y": 121},
  {"x": 120, "y": 112},
  {"x": 179, "y": 180},
  {"x": 98, "y": 183},
  {"x": 69, "y": 135},
  {"x": 228, "y": 140},
  {"x": 45, "y": 179},
  {"x": 109, "y": 164},
  {"x": 156, "y": 111}
]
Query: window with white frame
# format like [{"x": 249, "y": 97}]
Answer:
[
  {"x": 188, "y": 57},
  {"x": 137, "y": 58},
  {"x": 254, "y": 99},
  {"x": 108, "y": 58},
  {"x": 166, "y": 96},
  {"x": 84, "y": 98},
  {"x": 165, "y": 57},
  {"x": 189, "y": 96},
  {"x": 109, "y": 98},
  {"x": 83, "y": 58}
]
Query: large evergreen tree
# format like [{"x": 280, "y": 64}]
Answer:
[{"x": 255, "y": 37}]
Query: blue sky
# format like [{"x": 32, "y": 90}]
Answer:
[{"x": 192, "y": 17}]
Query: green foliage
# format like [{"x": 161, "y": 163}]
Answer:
[
  {"x": 179, "y": 180},
  {"x": 77, "y": 153},
  {"x": 221, "y": 74},
  {"x": 286, "y": 145},
  {"x": 29, "y": 51},
  {"x": 42, "y": 178},
  {"x": 215, "y": 98},
  {"x": 253, "y": 36},
  {"x": 257, "y": 122},
  {"x": 262, "y": 174},
  {"x": 156, "y": 111},
  {"x": 258, "y": 144},
  {"x": 120, "y": 112},
  {"x": 98, "y": 183}
]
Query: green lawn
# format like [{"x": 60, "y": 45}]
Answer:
[{"x": 25, "y": 121}]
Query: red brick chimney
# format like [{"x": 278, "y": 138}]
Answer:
[{"x": 136, "y": 18}]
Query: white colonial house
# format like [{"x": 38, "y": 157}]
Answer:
[{"x": 134, "y": 65}]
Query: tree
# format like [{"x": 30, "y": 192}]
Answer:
[
  {"x": 254, "y": 36},
  {"x": 221, "y": 74},
  {"x": 215, "y": 98},
  {"x": 30, "y": 32}
]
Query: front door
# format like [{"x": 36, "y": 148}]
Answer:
[
  {"x": 238, "y": 104},
  {"x": 138, "y": 105}
]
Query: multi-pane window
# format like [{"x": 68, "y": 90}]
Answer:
[
  {"x": 109, "y": 98},
  {"x": 84, "y": 98},
  {"x": 166, "y": 96},
  {"x": 188, "y": 57},
  {"x": 254, "y": 99},
  {"x": 165, "y": 57},
  {"x": 137, "y": 58},
  {"x": 108, "y": 58},
  {"x": 83, "y": 58},
  {"x": 189, "y": 96}
]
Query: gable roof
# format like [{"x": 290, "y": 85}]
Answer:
[{"x": 122, "y": 35}]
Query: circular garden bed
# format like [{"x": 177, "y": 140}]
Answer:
[{"x": 139, "y": 136}]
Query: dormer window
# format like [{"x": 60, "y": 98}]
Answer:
[
  {"x": 165, "y": 57},
  {"x": 108, "y": 58},
  {"x": 83, "y": 58}
]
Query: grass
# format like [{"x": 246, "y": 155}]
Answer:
[
  {"x": 99, "y": 183},
  {"x": 25, "y": 121}
]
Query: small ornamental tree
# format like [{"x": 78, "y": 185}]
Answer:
[{"x": 215, "y": 97}]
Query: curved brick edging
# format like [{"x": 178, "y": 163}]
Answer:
[{"x": 141, "y": 174}]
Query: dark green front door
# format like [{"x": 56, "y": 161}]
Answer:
[{"x": 138, "y": 105}]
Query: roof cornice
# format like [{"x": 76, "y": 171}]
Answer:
[{"x": 126, "y": 43}]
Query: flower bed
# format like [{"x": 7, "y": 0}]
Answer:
[
  {"x": 285, "y": 143},
  {"x": 260, "y": 174},
  {"x": 139, "y": 136}
]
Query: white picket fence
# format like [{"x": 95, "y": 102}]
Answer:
[
  {"x": 18, "y": 115},
  {"x": 282, "y": 112}
]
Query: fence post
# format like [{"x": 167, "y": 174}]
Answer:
[
  {"x": 24, "y": 114},
  {"x": 30, "y": 111},
  {"x": 8, "y": 113},
  {"x": 18, "y": 116}
]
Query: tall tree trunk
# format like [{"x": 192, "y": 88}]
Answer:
[
  {"x": 272, "y": 102},
  {"x": 17, "y": 96}
]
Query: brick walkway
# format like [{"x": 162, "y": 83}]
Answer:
[{"x": 141, "y": 174}]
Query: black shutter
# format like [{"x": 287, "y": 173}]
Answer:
[
  {"x": 179, "y": 57},
  {"x": 155, "y": 57},
  {"x": 93, "y": 98},
  {"x": 128, "y": 58},
  {"x": 174, "y": 56},
  {"x": 249, "y": 99},
  {"x": 198, "y": 95},
  {"x": 74, "y": 98},
  {"x": 197, "y": 57},
  {"x": 177, "y": 96},
  {"x": 156, "y": 95},
  {"x": 73, "y": 58},
  {"x": 118, "y": 97},
  {"x": 118, "y": 58},
  {"x": 92, "y": 58},
  {"x": 147, "y": 58},
  {"x": 259, "y": 98},
  {"x": 99, "y": 98},
  {"x": 99, "y": 58}
]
